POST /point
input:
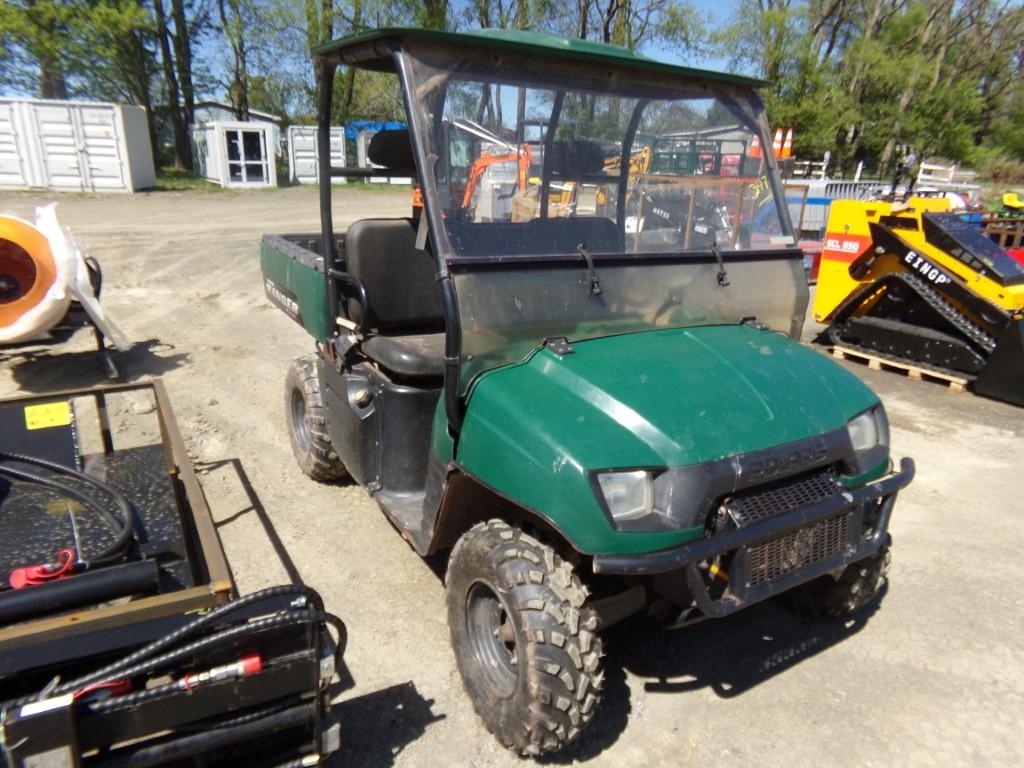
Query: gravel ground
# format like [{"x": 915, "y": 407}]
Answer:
[{"x": 934, "y": 678}]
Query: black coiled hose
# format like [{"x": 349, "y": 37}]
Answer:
[
  {"x": 145, "y": 658},
  {"x": 123, "y": 528},
  {"x": 112, "y": 670}
]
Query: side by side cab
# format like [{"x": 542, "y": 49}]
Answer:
[{"x": 576, "y": 367}]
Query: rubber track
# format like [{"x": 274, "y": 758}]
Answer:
[{"x": 969, "y": 330}]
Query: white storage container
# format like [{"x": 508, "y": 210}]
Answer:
[
  {"x": 303, "y": 166},
  {"x": 74, "y": 146},
  {"x": 235, "y": 154}
]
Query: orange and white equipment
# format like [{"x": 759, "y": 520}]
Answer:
[
  {"x": 787, "y": 145},
  {"x": 522, "y": 155},
  {"x": 755, "y": 147},
  {"x": 42, "y": 270},
  {"x": 777, "y": 143}
]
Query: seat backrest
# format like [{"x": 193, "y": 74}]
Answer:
[
  {"x": 576, "y": 159},
  {"x": 392, "y": 150},
  {"x": 400, "y": 280}
]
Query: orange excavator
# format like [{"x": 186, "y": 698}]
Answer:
[
  {"x": 492, "y": 155},
  {"x": 522, "y": 155}
]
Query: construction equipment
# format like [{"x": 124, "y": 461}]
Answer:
[
  {"x": 50, "y": 286},
  {"x": 119, "y": 641},
  {"x": 918, "y": 283},
  {"x": 522, "y": 156},
  {"x": 491, "y": 154},
  {"x": 1013, "y": 204}
]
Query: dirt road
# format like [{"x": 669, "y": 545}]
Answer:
[{"x": 933, "y": 678}]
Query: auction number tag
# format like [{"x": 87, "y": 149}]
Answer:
[{"x": 48, "y": 415}]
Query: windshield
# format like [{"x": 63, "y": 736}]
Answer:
[
  {"x": 535, "y": 163},
  {"x": 570, "y": 201}
]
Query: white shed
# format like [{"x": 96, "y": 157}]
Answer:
[
  {"x": 208, "y": 111},
  {"x": 235, "y": 154},
  {"x": 303, "y": 167},
  {"x": 74, "y": 146}
]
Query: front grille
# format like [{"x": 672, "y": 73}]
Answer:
[
  {"x": 798, "y": 549},
  {"x": 781, "y": 498}
]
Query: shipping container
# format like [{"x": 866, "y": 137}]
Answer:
[
  {"x": 73, "y": 146},
  {"x": 303, "y": 167}
]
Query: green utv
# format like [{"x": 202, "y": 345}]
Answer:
[{"x": 576, "y": 367}]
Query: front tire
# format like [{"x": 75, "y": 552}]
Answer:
[
  {"x": 524, "y": 644},
  {"x": 830, "y": 598},
  {"x": 307, "y": 423}
]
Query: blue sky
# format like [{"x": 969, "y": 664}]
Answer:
[{"x": 718, "y": 12}]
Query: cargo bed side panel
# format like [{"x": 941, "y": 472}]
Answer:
[{"x": 293, "y": 279}]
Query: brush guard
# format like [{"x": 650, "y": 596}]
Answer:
[{"x": 780, "y": 552}]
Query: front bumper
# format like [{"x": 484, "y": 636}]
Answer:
[{"x": 742, "y": 592}]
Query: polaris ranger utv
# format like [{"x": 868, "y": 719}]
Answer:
[{"x": 591, "y": 405}]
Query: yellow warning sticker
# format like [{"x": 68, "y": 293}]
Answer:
[{"x": 48, "y": 415}]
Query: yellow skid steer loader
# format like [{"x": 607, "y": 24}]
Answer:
[{"x": 918, "y": 283}]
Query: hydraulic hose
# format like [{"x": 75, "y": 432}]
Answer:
[
  {"x": 123, "y": 528},
  {"x": 215, "y": 614},
  {"x": 123, "y": 672},
  {"x": 149, "y": 665}
]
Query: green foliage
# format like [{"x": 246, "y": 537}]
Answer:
[
  {"x": 376, "y": 97},
  {"x": 99, "y": 49},
  {"x": 997, "y": 166},
  {"x": 860, "y": 78},
  {"x": 171, "y": 179}
]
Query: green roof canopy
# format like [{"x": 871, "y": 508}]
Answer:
[{"x": 537, "y": 44}]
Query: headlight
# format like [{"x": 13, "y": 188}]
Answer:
[
  {"x": 869, "y": 438},
  {"x": 629, "y": 495},
  {"x": 643, "y": 500}
]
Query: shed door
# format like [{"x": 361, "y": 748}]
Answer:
[
  {"x": 101, "y": 148},
  {"x": 303, "y": 155},
  {"x": 247, "y": 156},
  {"x": 58, "y": 139},
  {"x": 81, "y": 147}
]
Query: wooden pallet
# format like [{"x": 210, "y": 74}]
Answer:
[{"x": 876, "y": 363}]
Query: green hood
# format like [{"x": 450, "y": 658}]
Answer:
[{"x": 659, "y": 398}]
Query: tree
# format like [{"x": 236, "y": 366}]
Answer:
[
  {"x": 182, "y": 145},
  {"x": 862, "y": 77},
  {"x": 33, "y": 32},
  {"x": 234, "y": 15},
  {"x": 183, "y": 34},
  {"x": 633, "y": 24}
]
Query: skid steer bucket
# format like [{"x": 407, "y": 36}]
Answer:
[{"x": 1002, "y": 378}]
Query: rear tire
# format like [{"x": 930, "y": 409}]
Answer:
[
  {"x": 307, "y": 423},
  {"x": 858, "y": 585},
  {"x": 525, "y": 646}
]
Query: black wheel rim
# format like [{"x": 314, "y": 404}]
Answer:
[
  {"x": 492, "y": 640},
  {"x": 299, "y": 424}
]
